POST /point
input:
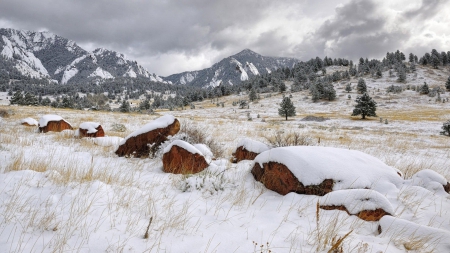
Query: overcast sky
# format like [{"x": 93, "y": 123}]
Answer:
[{"x": 172, "y": 36}]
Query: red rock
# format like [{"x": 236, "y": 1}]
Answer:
[
  {"x": 84, "y": 132},
  {"x": 243, "y": 154},
  {"x": 180, "y": 161},
  {"x": 55, "y": 126},
  {"x": 367, "y": 215},
  {"x": 277, "y": 177},
  {"x": 138, "y": 146}
]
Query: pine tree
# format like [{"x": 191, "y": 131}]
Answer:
[
  {"x": 447, "y": 84},
  {"x": 30, "y": 99},
  {"x": 365, "y": 106},
  {"x": 361, "y": 87},
  {"x": 401, "y": 75},
  {"x": 17, "y": 98},
  {"x": 348, "y": 87},
  {"x": 125, "y": 107},
  {"x": 411, "y": 57},
  {"x": 446, "y": 128},
  {"x": 252, "y": 95},
  {"x": 435, "y": 61},
  {"x": 287, "y": 108},
  {"x": 424, "y": 89}
]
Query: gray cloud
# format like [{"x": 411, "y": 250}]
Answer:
[{"x": 172, "y": 36}]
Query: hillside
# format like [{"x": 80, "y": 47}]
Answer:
[
  {"x": 43, "y": 55},
  {"x": 61, "y": 193},
  {"x": 232, "y": 70}
]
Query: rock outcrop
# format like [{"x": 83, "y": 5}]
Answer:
[
  {"x": 248, "y": 149},
  {"x": 90, "y": 129},
  {"x": 147, "y": 139},
  {"x": 181, "y": 157},
  {"x": 53, "y": 123}
]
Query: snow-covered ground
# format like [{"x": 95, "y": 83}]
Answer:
[{"x": 60, "y": 193}]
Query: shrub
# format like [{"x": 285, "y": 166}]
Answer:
[{"x": 284, "y": 139}]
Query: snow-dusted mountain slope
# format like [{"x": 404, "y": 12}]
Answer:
[
  {"x": 46, "y": 55},
  {"x": 232, "y": 70}
]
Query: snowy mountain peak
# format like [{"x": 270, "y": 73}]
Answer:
[
  {"x": 233, "y": 69},
  {"x": 46, "y": 55}
]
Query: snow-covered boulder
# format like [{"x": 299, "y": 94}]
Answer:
[
  {"x": 430, "y": 180},
  {"x": 181, "y": 157},
  {"x": 206, "y": 151},
  {"x": 29, "y": 122},
  {"x": 368, "y": 205},
  {"x": 154, "y": 133},
  {"x": 416, "y": 237},
  {"x": 53, "y": 123},
  {"x": 248, "y": 149},
  {"x": 320, "y": 170},
  {"x": 90, "y": 129}
]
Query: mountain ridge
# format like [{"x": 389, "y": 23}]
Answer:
[
  {"x": 232, "y": 69},
  {"x": 47, "y": 55}
]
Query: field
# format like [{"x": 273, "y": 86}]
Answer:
[{"x": 64, "y": 194}]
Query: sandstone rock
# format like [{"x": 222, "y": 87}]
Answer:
[
  {"x": 90, "y": 129},
  {"x": 53, "y": 123},
  {"x": 248, "y": 149},
  {"x": 147, "y": 139},
  {"x": 277, "y": 177},
  {"x": 367, "y": 204},
  {"x": 29, "y": 122},
  {"x": 181, "y": 157}
]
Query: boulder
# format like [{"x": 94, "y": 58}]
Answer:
[
  {"x": 320, "y": 170},
  {"x": 277, "y": 177},
  {"x": 368, "y": 205},
  {"x": 181, "y": 157},
  {"x": 248, "y": 149},
  {"x": 430, "y": 180},
  {"x": 29, "y": 122},
  {"x": 90, "y": 129},
  {"x": 148, "y": 138},
  {"x": 53, "y": 123}
]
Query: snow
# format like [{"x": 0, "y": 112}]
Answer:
[
  {"x": 90, "y": 126},
  {"x": 268, "y": 70},
  {"x": 29, "y": 121},
  {"x": 68, "y": 74},
  {"x": 182, "y": 144},
  {"x": 252, "y": 145},
  {"x": 130, "y": 73},
  {"x": 107, "y": 141},
  {"x": 429, "y": 180},
  {"x": 406, "y": 233},
  {"x": 160, "y": 122},
  {"x": 43, "y": 121},
  {"x": 8, "y": 50},
  {"x": 204, "y": 150},
  {"x": 101, "y": 73},
  {"x": 357, "y": 200},
  {"x": 253, "y": 69},
  {"x": 244, "y": 75},
  {"x": 348, "y": 168}
]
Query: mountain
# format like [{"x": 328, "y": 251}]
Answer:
[
  {"x": 46, "y": 55},
  {"x": 232, "y": 70}
]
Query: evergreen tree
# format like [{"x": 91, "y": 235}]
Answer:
[
  {"x": 348, "y": 87},
  {"x": 145, "y": 105},
  {"x": 435, "y": 61},
  {"x": 365, "y": 106},
  {"x": 125, "y": 107},
  {"x": 252, "y": 95},
  {"x": 424, "y": 89},
  {"x": 287, "y": 108},
  {"x": 30, "y": 99},
  {"x": 411, "y": 57},
  {"x": 447, "y": 84},
  {"x": 446, "y": 128},
  {"x": 401, "y": 75},
  {"x": 17, "y": 98},
  {"x": 46, "y": 101},
  {"x": 361, "y": 87}
]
